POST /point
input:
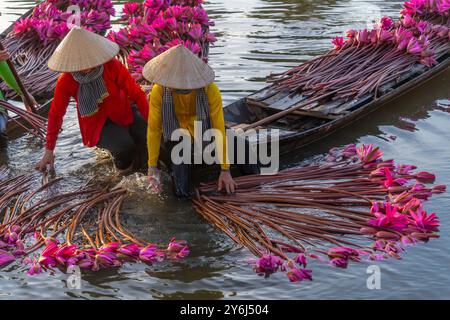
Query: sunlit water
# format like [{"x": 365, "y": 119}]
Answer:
[{"x": 255, "y": 38}]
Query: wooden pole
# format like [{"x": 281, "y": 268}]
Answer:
[{"x": 26, "y": 96}]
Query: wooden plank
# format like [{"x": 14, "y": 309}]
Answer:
[
  {"x": 276, "y": 97},
  {"x": 353, "y": 104},
  {"x": 263, "y": 94},
  {"x": 315, "y": 114},
  {"x": 286, "y": 102}
]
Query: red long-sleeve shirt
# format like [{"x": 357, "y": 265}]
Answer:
[{"x": 121, "y": 88}]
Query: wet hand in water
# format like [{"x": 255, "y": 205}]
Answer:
[
  {"x": 32, "y": 104},
  {"x": 47, "y": 162},
  {"x": 154, "y": 180},
  {"x": 226, "y": 181}
]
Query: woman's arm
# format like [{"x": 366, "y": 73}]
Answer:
[
  {"x": 225, "y": 180},
  {"x": 218, "y": 121},
  {"x": 55, "y": 119},
  {"x": 134, "y": 91},
  {"x": 57, "y": 111},
  {"x": 154, "y": 130}
]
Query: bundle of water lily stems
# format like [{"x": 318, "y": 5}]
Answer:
[
  {"x": 35, "y": 38},
  {"x": 28, "y": 121},
  {"x": 325, "y": 211},
  {"x": 369, "y": 59},
  {"x": 80, "y": 228}
]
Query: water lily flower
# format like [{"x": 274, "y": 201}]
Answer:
[
  {"x": 65, "y": 252},
  {"x": 414, "y": 46},
  {"x": 342, "y": 252},
  {"x": 149, "y": 254},
  {"x": 296, "y": 275},
  {"x": 408, "y": 240},
  {"x": 423, "y": 221},
  {"x": 35, "y": 268},
  {"x": 390, "y": 219},
  {"x": 377, "y": 257},
  {"x": 183, "y": 253},
  {"x": 301, "y": 260},
  {"x": 338, "y": 42},
  {"x": 6, "y": 258},
  {"x": 439, "y": 189},
  {"x": 386, "y": 23},
  {"x": 175, "y": 245},
  {"x": 412, "y": 204},
  {"x": 107, "y": 260},
  {"x": 367, "y": 153},
  {"x": 267, "y": 264},
  {"x": 339, "y": 262},
  {"x": 425, "y": 177},
  {"x": 405, "y": 169},
  {"x": 196, "y": 32}
]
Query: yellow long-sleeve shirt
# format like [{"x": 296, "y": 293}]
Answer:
[{"x": 185, "y": 111}]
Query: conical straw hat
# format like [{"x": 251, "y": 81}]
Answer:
[
  {"x": 80, "y": 50},
  {"x": 179, "y": 68}
]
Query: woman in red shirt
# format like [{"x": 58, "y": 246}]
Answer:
[{"x": 102, "y": 88}]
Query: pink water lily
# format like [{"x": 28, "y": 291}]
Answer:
[
  {"x": 367, "y": 153},
  {"x": 268, "y": 264},
  {"x": 6, "y": 258},
  {"x": 339, "y": 262},
  {"x": 35, "y": 268},
  {"x": 149, "y": 254},
  {"x": 405, "y": 169},
  {"x": 338, "y": 42},
  {"x": 424, "y": 221},
  {"x": 296, "y": 274},
  {"x": 386, "y": 23},
  {"x": 301, "y": 260},
  {"x": 425, "y": 177},
  {"x": 439, "y": 188},
  {"x": 390, "y": 219}
]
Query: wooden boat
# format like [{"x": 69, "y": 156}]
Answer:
[
  {"x": 13, "y": 129},
  {"x": 303, "y": 127}
]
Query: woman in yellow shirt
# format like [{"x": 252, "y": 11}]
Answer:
[{"x": 183, "y": 93}]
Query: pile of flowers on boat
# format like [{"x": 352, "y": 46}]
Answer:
[
  {"x": 34, "y": 38},
  {"x": 47, "y": 230},
  {"x": 154, "y": 26},
  {"x": 366, "y": 60},
  {"x": 49, "y": 20},
  {"x": 352, "y": 207}
]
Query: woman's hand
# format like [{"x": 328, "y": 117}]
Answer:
[
  {"x": 33, "y": 102},
  {"x": 4, "y": 55},
  {"x": 154, "y": 180},
  {"x": 47, "y": 162},
  {"x": 226, "y": 181}
]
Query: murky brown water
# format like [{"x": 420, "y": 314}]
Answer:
[{"x": 256, "y": 37}]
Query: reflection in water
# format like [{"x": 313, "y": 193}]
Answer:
[{"x": 255, "y": 38}]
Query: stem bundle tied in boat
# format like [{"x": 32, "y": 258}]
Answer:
[
  {"x": 81, "y": 228},
  {"x": 25, "y": 120},
  {"x": 354, "y": 206},
  {"x": 368, "y": 60},
  {"x": 34, "y": 39}
]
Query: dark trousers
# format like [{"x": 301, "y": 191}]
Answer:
[
  {"x": 181, "y": 174},
  {"x": 128, "y": 146}
]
